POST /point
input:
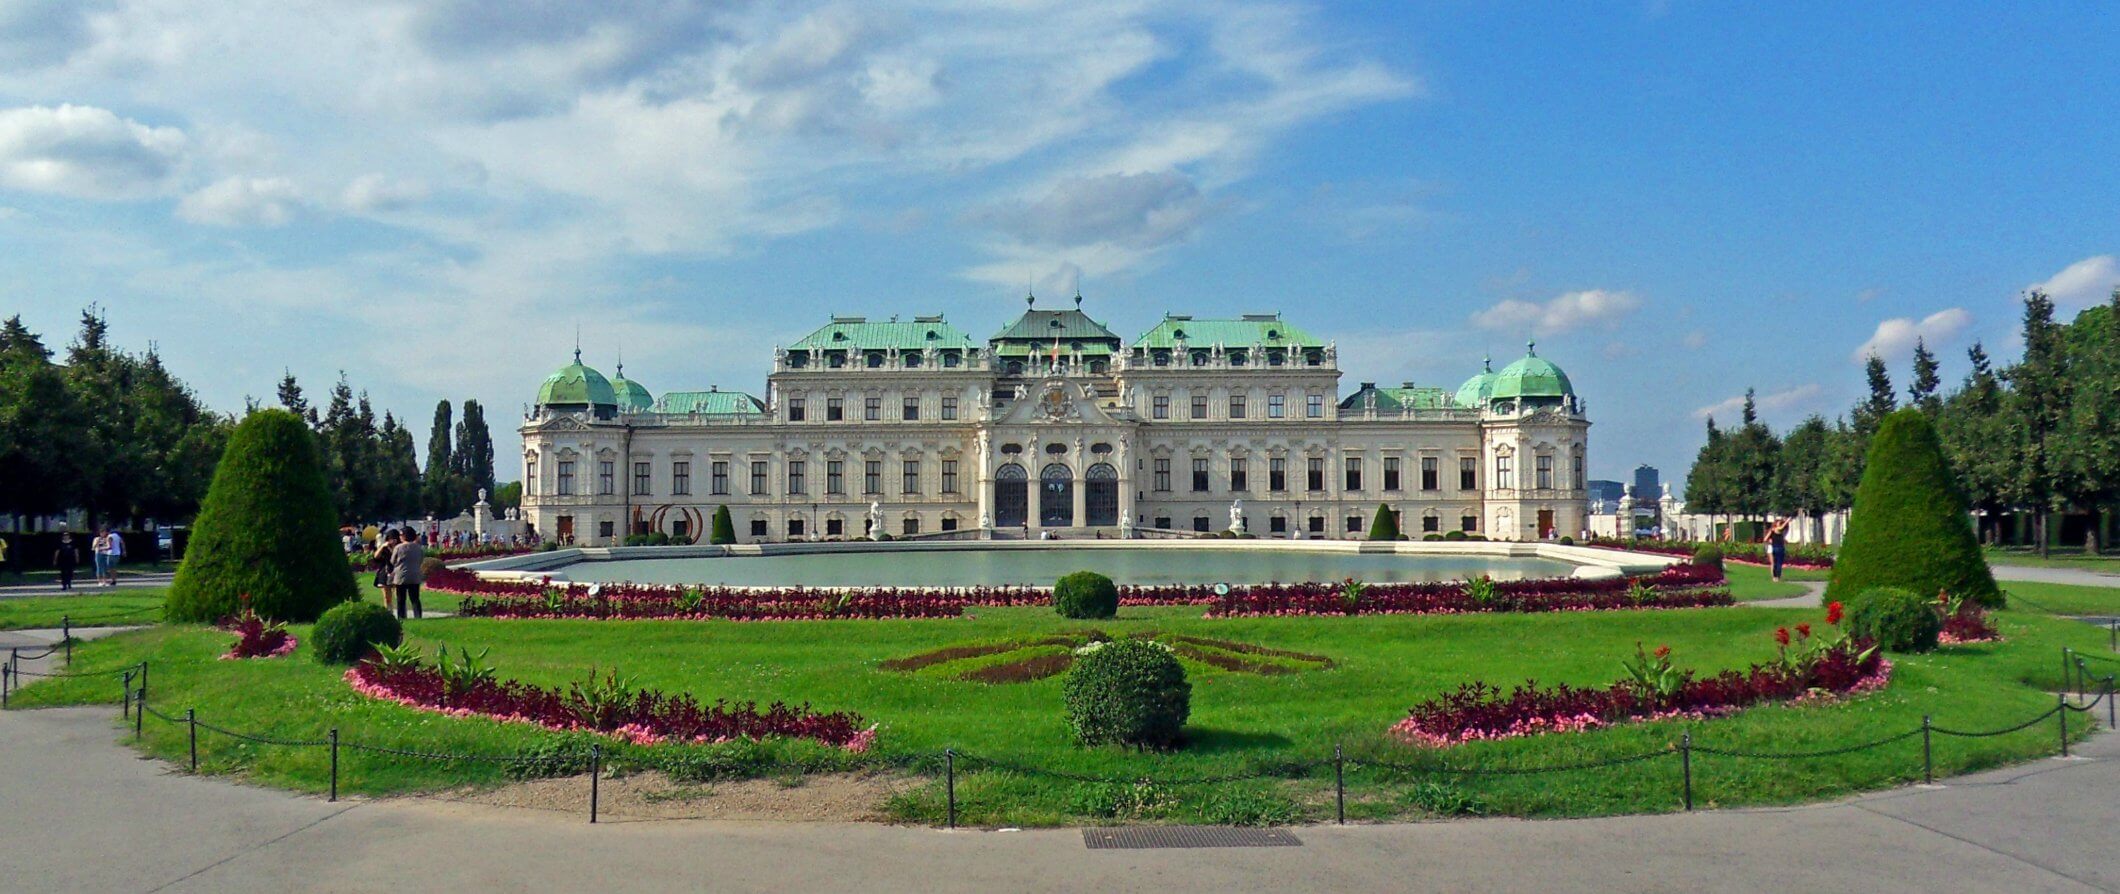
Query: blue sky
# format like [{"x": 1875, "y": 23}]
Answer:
[{"x": 1679, "y": 200}]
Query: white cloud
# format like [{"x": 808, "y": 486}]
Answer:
[
  {"x": 1695, "y": 340},
  {"x": 1139, "y": 211},
  {"x": 1564, "y": 312},
  {"x": 377, "y": 193},
  {"x": 242, "y": 202},
  {"x": 1895, "y": 338},
  {"x": 1777, "y": 402},
  {"x": 86, "y": 152},
  {"x": 2083, "y": 283}
]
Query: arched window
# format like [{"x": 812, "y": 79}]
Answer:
[
  {"x": 1011, "y": 496},
  {"x": 1100, "y": 498},
  {"x": 1056, "y": 496}
]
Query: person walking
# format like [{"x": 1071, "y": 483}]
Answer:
[
  {"x": 99, "y": 554},
  {"x": 405, "y": 571},
  {"x": 66, "y": 559},
  {"x": 1778, "y": 546},
  {"x": 113, "y": 555},
  {"x": 380, "y": 561}
]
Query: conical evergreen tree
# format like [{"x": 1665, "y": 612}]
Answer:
[
  {"x": 1910, "y": 527},
  {"x": 267, "y": 531},
  {"x": 724, "y": 527},
  {"x": 1386, "y": 524}
]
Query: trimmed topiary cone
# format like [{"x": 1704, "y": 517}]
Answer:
[
  {"x": 1910, "y": 527},
  {"x": 266, "y": 530},
  {"x": 724, "y": 527},
  {"x": 1386, "y": 524}
]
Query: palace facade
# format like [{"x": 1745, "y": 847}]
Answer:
[{"x": 1057, "y": 426}]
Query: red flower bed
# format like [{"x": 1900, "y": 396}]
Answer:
[
  {"x": 1810, "y": 558},
  {"x": 1655, "y": 689},
  {"x": 1964, "y": 621},
  {"x": 642, "y": 716},
  {"x": 256, "y": 637},
  {"x": 1679, "y": 586}
]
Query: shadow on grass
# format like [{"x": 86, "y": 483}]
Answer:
[{"x": 1211, "y": 740}]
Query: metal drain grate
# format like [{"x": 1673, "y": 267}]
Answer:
[{"x": 1187, "y": 836}]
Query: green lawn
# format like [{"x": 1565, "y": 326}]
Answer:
[
  {"x": 1750, "y": 583},
  {"x": 1240, "y": 723},
  {"x": 2063, "y": 599},
  {"x": 89, "y": 608},
  {"x": 86, "y": 572}
]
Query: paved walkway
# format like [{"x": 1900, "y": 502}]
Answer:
[
  {"x": 2081, "y": 577},
  {"x": 88, "y": 587}
]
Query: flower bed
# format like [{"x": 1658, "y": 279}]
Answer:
[
  {"x": 1680, "y": 586},
  {"x": 1808, "y": 668},
  {"x": 1799, "y": 556},
  {"x": 257, "y": 637},
  {"x": 610, "y": 706},
  {"x": 1964, "y": 621}
]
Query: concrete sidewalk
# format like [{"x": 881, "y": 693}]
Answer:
[
  {"x": 88, "y": 587},
  {"x": 2081, "y": 577},
  {"x": 84, "y": 814}
]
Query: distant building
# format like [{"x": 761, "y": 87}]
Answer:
[
  {"x": 1607, "y": 492},
  {"x": 1648, "y": 484},
  {"x": 1057, "y": 425}
]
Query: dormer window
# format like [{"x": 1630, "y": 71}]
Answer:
[
  {"x": 875, "y": 361},
  {"x": 1199, "y": 358},
  {"x": 951, "y": 360},
  {"x": 1272, "y": 334},
  {"x": 1178, "y": 334},
  {"x": 839, "y": 336},
  {"x": 912, "y": 361}
]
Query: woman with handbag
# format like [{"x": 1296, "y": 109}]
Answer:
[{"x": 381, "y": 563}]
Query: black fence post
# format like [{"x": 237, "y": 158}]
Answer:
[
  {"x": 1339, "y": 783},
  {"x": 1685, "y": 761},
  {"x": 2061, "y": 714},
  {"x": 2110, "y": 714},
  {"x": 1928, "y": 754},
  {"x": 2068, "y": 671},
  {"x": 140, "y": 714},
  {"x": 191, "y": 719},
  {"x": 334, "y": 763},
  {"x": 2112, "y": 635},
  {"x": 66, "y": 636},
  {"x": 143, "y": 682},
  {"x": 125, "y": 710},
  {"x": 949, "y": 772},
  {"x": 596, "y": 774}
]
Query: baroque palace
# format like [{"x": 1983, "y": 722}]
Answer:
[{"x": 1056, "y": 426}]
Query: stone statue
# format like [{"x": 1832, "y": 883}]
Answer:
[
  {"x": 1126, "y": 525},
  {"x": 875, "y": 517},
  {"x": 1236, "y": 515},
  {"x": 986, "y": 520}
]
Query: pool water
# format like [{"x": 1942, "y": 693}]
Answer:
[{"x": 975, "y": 567}]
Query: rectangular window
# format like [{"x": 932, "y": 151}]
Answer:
[
  {"x": 1199, "y": 406},
  {"x": 1236, "y": 406},
  {"x": 606, "y": 477},
  {"x": 1277, "y": 525},
  {"x": 1431, "y": 524},
  {"x": 798, "y": 472},
  {"x": 1468, "y": 473},
  {"x": 872, "y": 476},
  {"x": 835, "y": 527},
  {"x": 1160, "y": 407},
  {"x": 530, "y": 476},
  {"x": 910, "y": 409},
  {"x": 795, "y": 409},
  {"x": 566, "y": 478},
  {"x": 872, "y": 409},
  {"x": 1162, "y": 474},
  {"x": 758, "y": 527},
  {"x": 910, "y": 478},
  {"x": 643, "y": 478},
  {"x": 1277, "y": 475},
  {"x": 1199, "y": 475},
  {"x": 1391, "y": 473},
  {"x": 1431, "y": 474},
  {"x": 912, "y": 524},
  {"x": 1544, "y": 466},
  {"x": 949, "y": 476},
  {"x": 1314, "y": 406},
  {"x": 1237, "y": 476},
  {"x": 1578, "y": 471},
  {"x": 1469, "y": 523},
  {"x": 1276, "y": 406},
  {"x": 681, "y": 479},
  {"x": 1354, "y": 473},
  {"x": 1314, "y": 476},
  {"x": 758, "y": 478},
  {"x": 1504, "y": 472},
  {"x": 1317, "y": 524},
  {"x": 720, "y": 480},
  {"x": 835, "y": 479},
  {"x": 794, "y": 527},
  {"x": 604, "y": 530},
  {"x": 835, "y": 409},
  {"x": 949, "y": 406},
  {"x": 1354, "y": 524},
  {"x": 949, "y": 523},
  {"x": 1200, "y": 523}
]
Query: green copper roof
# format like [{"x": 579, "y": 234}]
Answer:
[
  {"x": 1476, "y": 390},
  {"x": 710, "y": 403},
  {"x": 858, "y": 334},
  {"x": 631, "y": 396},
  {"x": 576, "y": 384},
  {"x": 1531, "y": 377},
  {"x": 1251, "y": 329},
  {"x": 1042, "y": 326},
  {"x": 1405, "y": 397}
]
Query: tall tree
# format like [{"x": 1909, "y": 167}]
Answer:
[
  {"x": 1799, "y": 475},
  {"x": 1881, "y": 402},
  {"x": 43, "y": 428},
  {"x": 290, "y": 396},
  {"x": 437, "y": 486},
  {"x": 472, "y": 461},
  {"x": 100, "y": 377},
  {"x": 1708, "y": 482},
  {"x": 2089, "y": 453},
  {"x": 1752, "y": 452},
  {"x": 1922, "y": 391},
  {"x": 2039, "y": 387},
  {"x": 1977, "y": 436}
]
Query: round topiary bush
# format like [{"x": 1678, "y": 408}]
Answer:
[
  {"x": 1899, "y": 619},
  {"x": 431, "y": 566},
  {"x": 1086, "y": 594},
  {"x": 1128, "y": 692},
  {"x": 267, "y": 530},
  {"x": 1709, "y": 556},
  {"x": 1910, "y": 527},
  {"x": 348, "y": 632},
  {"x": 1431, "y": 538},
  {"x": 1453, "y": 535}
]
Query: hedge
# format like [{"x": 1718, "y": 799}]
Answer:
[
  {"x": 1910, "y": 527},
  {"x": 267, "y": 530}
]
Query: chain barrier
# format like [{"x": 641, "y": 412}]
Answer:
[
  {"x": 1283, "y": 772},
  {"x": 2000, "y": 732},
  {"x": 1800, "y": 755},
  {"x": 1519, "y": 771},
  {"x": 71, "y": 675},
  {"x": 263, "y": 740}
]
